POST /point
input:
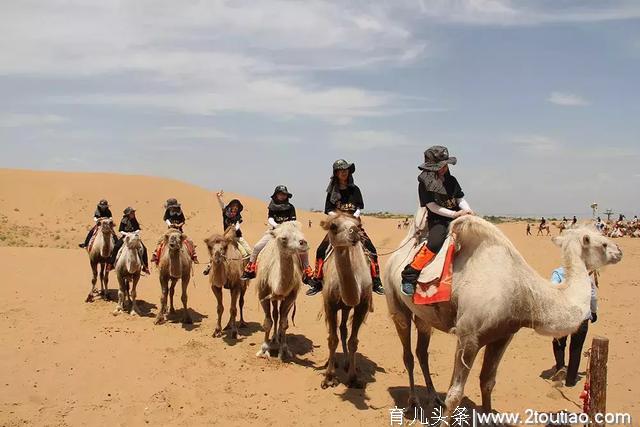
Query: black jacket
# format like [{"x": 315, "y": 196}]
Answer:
[
  {"x": 350, "y": 200},
  {"x": 128, "y": 225},
  {"x": 282, "y": 212},
  {"x": 453, "y": 190},
  {"x": 102, "y": 213},
  {"x": 173, "y": 216}
]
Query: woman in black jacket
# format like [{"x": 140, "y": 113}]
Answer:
[
  {"x": 343, "y": 195},
  {"x": 102, "y": 211},
  {"x": 128, "y": 224}
]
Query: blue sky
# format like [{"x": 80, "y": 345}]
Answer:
[{"x": 537, "y": 99}]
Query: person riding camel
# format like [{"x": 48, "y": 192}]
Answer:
[
  {"x": 441, "y": 194},
  {"x": 343, "y": 195},
  {"x": 174, "y": 218},
  {"x": 102, "y": 211},
  {"x": 128, "y": 224},
  {"x": 232, "y": 217},
  {"x": 280, "y": 210}
]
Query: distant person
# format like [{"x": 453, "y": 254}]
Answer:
[
  {"x": 543, "y": 222},
  {"x": 621, "y": 218},
  {"x": 343, "y": 195},
  {"x": 574, "y": 221},
  {"x": 280, "y": 210},
  {"x": 128, "y": 224},
  {"x": 399, "y": 225},
  {"x": 529, "y": 229},
  {"x": 102, "y": 211},
  {"x": 599, "y": 225},
  {"x": 441, "y": 194},
  {"x": 309, "y": 223},
  {"x": 635, "y": 220},
  {"x": 577, "y": 338},
  {"x": 564, "y": 219}
]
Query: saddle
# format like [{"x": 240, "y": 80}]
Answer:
[
  {"x": 435, "y": 280},
  {"x": 188, "y": 245},
  {"x": 94, "y": 234}
]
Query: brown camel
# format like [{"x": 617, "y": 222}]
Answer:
[
  {"x": 279, "y": 278},
  {"x": 99, "y": 254},
  {"x": 543, "y": 227},
  {"x": 128, "y": 269},
  {"x": 227, "y": 266},
  {"x": 175, "y": 264},
  {"x": 347, "y": 286},
  {"x": 495, "y": 293}
]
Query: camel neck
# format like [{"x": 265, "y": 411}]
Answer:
[
  {"x": 175, "y": 267},
  {"x": 349, "y": 289},
  {"x": 132, "y": 260},
  {"x": 286, "y": 267}
]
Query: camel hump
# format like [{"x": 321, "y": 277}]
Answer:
[{"x": 471, "y": 228}]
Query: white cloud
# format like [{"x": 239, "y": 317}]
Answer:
[
  {"x": 567, "y": 99},
  {"x": 11, "y": 120},
  {"x": 536, "y": 143},
  {"x": 362, "y": 140}
]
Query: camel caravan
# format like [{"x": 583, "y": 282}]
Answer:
[{"x": 454, "y": 272}]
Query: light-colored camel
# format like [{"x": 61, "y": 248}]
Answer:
[
  {"x": 227, "y": 266},
  {"x": 99, "y": 254},
  {"x": 128, "y": 269},
  {"x": 174, "y": 265},
  {"x": 495, "y": 293},
  {"x": 279, "y": 278},
  {"x": 347, "y": 286}
]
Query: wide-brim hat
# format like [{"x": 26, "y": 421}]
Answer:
[
  {"x": 128, "y": 210},
  {"x": 342, "y": 164},
  {"x": 281, "y": 189},
  {"x": 172, "y": 203},
  {"x": 237, "y": 203},
  {"x": 436, "y": 157}
]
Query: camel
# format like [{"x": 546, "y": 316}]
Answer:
[
  {"x": 347, "y": 286},
  {"x": 545, "y": 227},
  {"x": 175, "y": 264},
  {"x": 227, "y": 265},
  {"x": 279, "y": 278},
  {"x": 495, "y": 293},
  {"x": 99, "y": 254},
  {"x": 128, "y": 269}
]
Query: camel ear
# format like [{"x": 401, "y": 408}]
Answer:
[
  {"x": 273, "y": 234},
  {"x": 586, "y": 240},
  {"x": 324, "y": 224}
]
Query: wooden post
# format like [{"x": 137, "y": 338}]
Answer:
[{"x": 598, "y": 373}]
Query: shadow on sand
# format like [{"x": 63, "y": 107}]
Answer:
[{"x": 243, "y": 333}]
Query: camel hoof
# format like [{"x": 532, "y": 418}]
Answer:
[
  {"x": 217, "y": 333},
  {"x": 135, "y": 312},
  {"x": 329, "y": 382},
  {"x": 89, "y": 298},
  {"x": 159, "y": 320},
  {"x": 117, "y": 311},
  {"x": 264, "y": 354},
  {"x": 355, "y": 383}
]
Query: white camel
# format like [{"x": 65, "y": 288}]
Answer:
[
  {"x": 495, "y": 293},
  {"x": 128, "y": 269}
]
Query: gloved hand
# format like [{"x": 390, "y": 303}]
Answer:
[{"x": 594, "y": 317}]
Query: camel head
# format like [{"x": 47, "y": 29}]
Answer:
[
  {"x": 289, "y": 237},
  {"x": 132, "y": 240},
  {"x": 217, "y": 246},
  {"x": 105, "y": 225},
  {"x": 595, "y": 249},
  {"x": 344, "y": 230},
  {"x": 174, "y": 239}
]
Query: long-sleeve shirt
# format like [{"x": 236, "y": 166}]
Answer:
[
  {"x": 102, "y": 213},
  {"x": 350, "y": 201},
  {"x": 173, "y": 217},
  {"x": 558, "y": 276}
]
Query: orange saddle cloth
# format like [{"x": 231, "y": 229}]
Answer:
[
  {"x": 439, "y": 288},
  {"x": 190, "y": 247}
]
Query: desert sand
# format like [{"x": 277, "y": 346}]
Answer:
[{"x": 67, "y": 362}]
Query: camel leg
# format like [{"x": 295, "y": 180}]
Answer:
[
  {"x": 243, "y": 290},
  {"x": 344, "y": 334},
  {"x": 359, "y": 314},
  {"x": 105, "y": 279},
  {"x": 172, "y": 290},
  {"x": 331, "y": 314},
  {"x": 102, "y": 292},
  {"x": 94, "y": 279},
  {"x": 275, "y": 315},
  {"x": 121, "y": 286},
  {"x": 422, "y": 351},
  {"x": 266, "y": 325},
  {"x": 466, "y": 352},
  {"x": 285, "y": 307},
  {"x": 402, "y": 321},
  {"x": 217, "y": 332},
  {"x": 162, "y": 314},
  {"x": 492, "y": 356},
  {"x": 233, "y": 311},
  {"x": 186, "y": 317},
  {"x": 134, "y": 305}
]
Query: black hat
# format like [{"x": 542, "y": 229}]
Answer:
[
  {"x": 128, "y": 210},
  {"x": 342, "y": 164},
  {"x": 281, "y": 189},
  {"x": 172, "y": 203},
  {"x": 436, "y": 157},
  {"x": 237, "y": 203},
  {"x": 103, "y": 203}
]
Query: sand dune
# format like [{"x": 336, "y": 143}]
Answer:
[{"x": 65, "y": 362}]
